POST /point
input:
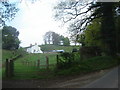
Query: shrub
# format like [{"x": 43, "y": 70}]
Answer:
[
  {"x": 74, "y": 50},
  {"x": 66, "y": 60},
  {"x": 90, "y": 65},
  {"x": 89, "y": 51}
]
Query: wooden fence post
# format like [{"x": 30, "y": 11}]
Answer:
[
  {"x": 47, "y": 62},
  {"x": 7, "y": 68},
  {"x": 11, "y": 68},
  {"x": 57, "y": 61},
  {"x": 38, "y": 63}
]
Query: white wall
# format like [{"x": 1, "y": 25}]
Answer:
[{"x": 34, "y": 49}]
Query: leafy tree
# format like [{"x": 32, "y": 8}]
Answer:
[
  {"x": 7, "y": 11},
  {"x": 81, "y": 39},
  {"x": 72, "y": 10},
  {"x": 66, "y": 41},
  {"x": 48, "y": 37},
  {"x": 10, "y": 39},
  {"x": 56, "y": 38},
  {"x": 92, "y": 33},
  {"x": 74, "y": 32},
  {"x": 51, "y": 37},
  {"x": 118, "y": 33}
]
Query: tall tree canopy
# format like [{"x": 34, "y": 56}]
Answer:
[
  {"x": 51, "y": 37},
  {"x": 7, "y": 11},
  {"x": 10, "y": 39},
  {"x": 81, "y": 13}
]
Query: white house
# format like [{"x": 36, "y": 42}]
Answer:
[{"x": 34, "y": 49}]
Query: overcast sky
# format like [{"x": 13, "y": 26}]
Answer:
[{"x": 34, "y": 20}]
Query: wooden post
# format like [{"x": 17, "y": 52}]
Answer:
[
  {"x": 47, "y": 62},
  {"x": 11, "y": 68},
  {"x": 7, "y": 68},
  {"x": 38, "y": 63},
  {"x": 57, "y": 61}
]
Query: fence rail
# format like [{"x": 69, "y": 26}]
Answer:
[{"x": 10, "y": 67}]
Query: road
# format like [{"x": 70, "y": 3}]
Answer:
[
  {"x": 109, "y": 80},
  {"x": 100, "y": 79}
]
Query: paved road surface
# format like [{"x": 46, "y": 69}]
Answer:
[{"x": 110, "y": 80}]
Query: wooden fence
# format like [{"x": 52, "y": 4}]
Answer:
[{"x": 9, "y": 69}]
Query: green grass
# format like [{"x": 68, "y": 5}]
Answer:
[
  {"x": 41, "y": 57},
  {"x": 24, "y": 71},
  {"x": 90, "y": 65},
  {"x": 56, "y": 47},
  {"x": 7, "y": 54},
  {"x": 32, "y": 72}
]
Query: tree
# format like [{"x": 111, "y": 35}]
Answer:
[
  {"x": 48, "y": 37},
  {"x": 51, "y": 37},
  {"x": 92, "y": 33},
  {"x": 118, "y": 32},
  {"x": 72, "y": 10},
  {"x": 66, "y": 41},
  {"x": 56, "y": 38},
  {"x": 74, "y": 32},
  {"x": 81, "y": 39},
  {"x": 10, "y": 39},
  {"x": 7, "y": 11}
]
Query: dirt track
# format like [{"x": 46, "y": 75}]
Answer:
[{"x": 57, "y": 82}]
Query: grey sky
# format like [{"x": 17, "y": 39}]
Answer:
[{"x": 33, "y": 20}]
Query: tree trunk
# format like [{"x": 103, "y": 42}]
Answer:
[{"x": 108, "y": 30}]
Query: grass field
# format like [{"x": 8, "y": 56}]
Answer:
[
  {"x": 25, "y": 71},
  {"x": 56, "y": 47}
]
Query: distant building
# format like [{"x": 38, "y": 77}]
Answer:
[{"x": 34, "y": 49}]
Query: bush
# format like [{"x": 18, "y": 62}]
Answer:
[
  {"x": 90, "y": 65},
  {"x": 66, "y": 60},
  {"x": 88, "y": 52},
  {"x": 74, "y": 50}
]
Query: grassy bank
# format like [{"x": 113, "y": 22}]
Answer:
[{"x": 90, "y": 65}]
